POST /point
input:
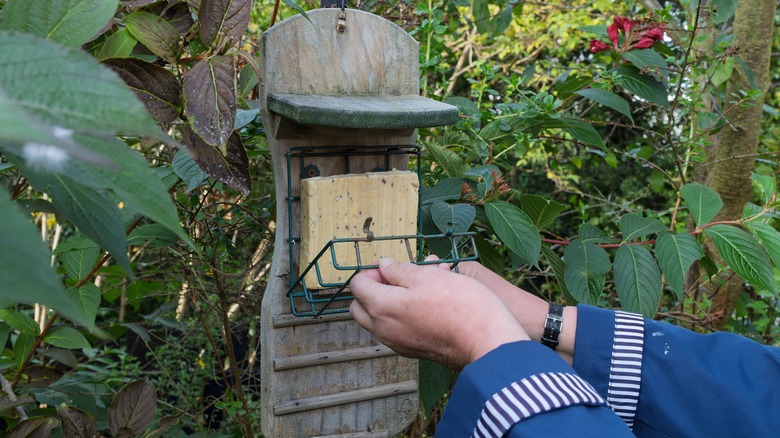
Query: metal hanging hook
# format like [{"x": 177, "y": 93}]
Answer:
[{"x": 341, "y": 26}]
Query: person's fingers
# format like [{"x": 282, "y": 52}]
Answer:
[
  {"x": 400, "y": 274},
  {"x": 360, "y": 315}
]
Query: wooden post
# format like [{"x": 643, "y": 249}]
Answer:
[{"x": 322, "y": 87}]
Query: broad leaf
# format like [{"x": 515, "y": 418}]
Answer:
[
  {"x": 608, "y": 99},
  {"x": 721, "y": 71},
  {"x": 87, "y": 297},
  {"x": 232, "y": 169},
  {"x": 676, "y": 253},
  {"x": 26, "y": 276},
  {"x": 571, "y": 84},
  {"x": 516, "y": 230},
  {"x": 155, "y": 234},
  {"x": 629, "y": 78},
  {"x": 586, "y": 266},
  {"x": 180, "y": 17},
  {"x": 188, "y": 170},
  {"x": 743, "y": 254},
  {"x": 223, "y": 17},
  {"x": 449, "y": 189},
  {"x": 77, "y": 423},
  {"x": 78, "y": 255},
  {"x": 489, "y": 256},
  {"x": 68, "y": 22},
  {"x": 589, "y": 233},
  {"x": 559, "y": 269},
  {"x": 20, "y": 322},
  {"x": 71, "y": 89},
  {"x": 580, "y": 131},
  {"x": 23, "y": 345},
  {"x": 66, "y": 337},
  {"x": 452, "y": 217},
  {"x": 765, "y": 185},
  {"x": 703, "y": 202},
  {"x": 633, "y": 226},
  {"x": 119, "y": 45},
  {"x": 34, "y": 427},
  {"x": 210, "y": 100},
  {"x": 769, "y": 238},
  {"x": 435, "y": 380},
  {"x": 650, "y": 59},
  {"x": 155, "y": 33},
  {"x": 637, "y": 280},
  {"x": 723, "y": 10},
  {"x": 541, "y": 211},
  {"x": 133, "y": 407},
  {"x": 155, "y": 86},
  {"x": 449, "y": 161}
]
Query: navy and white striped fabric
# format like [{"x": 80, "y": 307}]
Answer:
[
  {"x": 625, "y": 372},
  {"x": 530, "y": 396}
]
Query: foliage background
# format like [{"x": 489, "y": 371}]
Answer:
[{"x": 160, "y": 256}]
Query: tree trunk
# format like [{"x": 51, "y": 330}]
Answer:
[{"x": 731, "y": 157}]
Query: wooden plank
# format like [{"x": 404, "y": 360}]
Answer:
[
  {"x": 338, "y": 207},
  {"x": 370, "y": 111},
  {"x": 341, "y": 398},
  {"x": 308, "y": 360}
]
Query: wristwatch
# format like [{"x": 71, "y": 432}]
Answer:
[{"x": 552, "y": 326}]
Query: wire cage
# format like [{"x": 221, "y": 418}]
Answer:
[{"x": 307, "y": 301}]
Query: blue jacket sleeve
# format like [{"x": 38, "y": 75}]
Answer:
[
  {"x": 666, "y": 381},
  {"x": 524, "y": 389}
]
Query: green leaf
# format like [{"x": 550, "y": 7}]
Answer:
[
  {"x": 455, "y": 217},
  {"x": 541, "y": 211},
  {"x": 703, "y": 202},
  {"x": 589, "y": 233},
  {"x": 71, "y": 89},
  {"x": 609, "y": 99},
  {"x": 633, "y": 226},
  {"x": 769, "y": 238},
  {"x": 586, "y": 266},
  {"x": 69, "y": 22},
  {"x": 765, "y": 185},
  {"x": 569, "y": 86},
  {"x": 629, "y": 78},
  {"x": 489, "y": 255},
  {"x": 559, "y": 269},
  {"x": 724, "y": 9},
  {"x": 598, "y": 29},
  {"x": 20, "y": 322},
  {"x": 188, "y": 170},
  {"x": 26, "y": 273},
  {"x": 449, "y": 189},
  {"x": 210, "y": 100},
  {"x": 155, "y": 33},
  {"x": 580, "y": 131},
  {"x": 449, "y": 161},
  {"x": 637, "y": 280},
  {"x": 157, "y": 236},
  {"x": 743, "y": 254},
  {"x": 79, "y": 262},
  {"x": 435, "y": 381},
  {"x": 676, "y": 253},
  {"x": 516, "y": 230},
  {"x": 66, "y": 337},
  {"x": 466, "y": 106},
  {"x": 721, "y": 71},
  {"x": 119, "y": 45},
  {"x": 87, "y": 297},
  {"x": 650, "y": 59},
  {"x": 23, "y": 345}
]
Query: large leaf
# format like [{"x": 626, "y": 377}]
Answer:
[
  {"x": 133, "y": 407},
  {"x": 155, "y": 86},
  {"x": 79, "y": 262},
  {"x": 69, "y": 88},
  {"x": 743, "y": 254},
  {"x": 34, "y": 427},
  {"x": 592, "y": 234},
  {"x": 223, "y": 17},
  {"x": 637, "y": 280},
  {"x": 629, "y": 78},
  {"x": 765, "y": 185},
  {"x": 633, "y": 226},
  {"x": 769, "y": 238},
  {"x": 69, "y": 22},
  {"x": 119, "y": 45},
  {"x": 20, "y": 322},
  {"x": 210, "y": 99},
  {"x": 449, "y": 161},
  {"x": 586, "y": 266},
  {"x": 608, "y": 99},
  {"x": 650, "y": 59},
  {"x": 155, "y": 234},
  {"x": 516, "y": 230},
  {"x": 449, "y": 189},
  {"x": 579, "y": 130},
  {"x": 455, "y": 217},
  {"x": 559, "y": 269},
  {"x": 66, "y": 337},
  {"x": 188, "y": 170},
  {"x": 676, "y": 253},
  {"x": 87, "y": 297},
  {"x": 541, "y": 211},
  {"x": 703, "y": 202},
  {"x": 724, "y": 9},
  {"x": 232, "y": 169},
  {"x": 77, "y": 423},
  {"x": 155, "y": 33},
  {"x": 435, "y": 380},
  {"x": 26, "y": 275}
]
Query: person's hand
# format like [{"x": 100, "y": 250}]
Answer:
[{"x": 425, "y": 312}]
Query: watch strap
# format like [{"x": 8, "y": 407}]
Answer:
[{"x": 552, "y": 326}]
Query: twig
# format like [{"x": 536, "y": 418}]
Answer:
[{"x": 9, "y": 390}]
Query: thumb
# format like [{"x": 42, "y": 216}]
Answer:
[{"x": 398, "y": 274}]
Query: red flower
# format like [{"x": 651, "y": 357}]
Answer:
[
  {"x": 612, "y": 31},
  {"x": 656, "y": 33},
  {"x": 624, "y": 24},
  {"x": 597, "y": 46},
  {"x": 644, "y": 43}
]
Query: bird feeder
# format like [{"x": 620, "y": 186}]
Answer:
[{"x": 341, "y": 107}]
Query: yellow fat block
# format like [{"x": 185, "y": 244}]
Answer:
[{"x": 338, "y": 206}]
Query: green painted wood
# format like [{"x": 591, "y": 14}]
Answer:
[{"x": 366, "y": 112}]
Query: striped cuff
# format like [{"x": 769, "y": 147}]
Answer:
[
  {"x": 625, "y": 372},
  {"x": 530, "y": 396}
]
